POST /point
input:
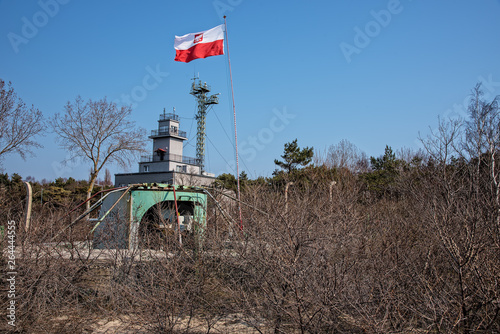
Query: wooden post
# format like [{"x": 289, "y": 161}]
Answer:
[
  {"x": 177, "y": 216},
  {"x": 286, "y": 195},
  {"x": 331, "y": 190},
  {"x": 27, "y": 216}
]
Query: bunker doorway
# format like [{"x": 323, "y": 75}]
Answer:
[{"x": 158, "y": 227}]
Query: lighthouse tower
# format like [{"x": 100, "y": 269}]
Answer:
[
  {"x": 167, "y": 163},
  {"x": 167, "y": 154}
]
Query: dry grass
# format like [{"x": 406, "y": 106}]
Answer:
[{"x": 349, "y": 263}]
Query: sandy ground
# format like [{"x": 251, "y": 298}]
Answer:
[{"x": 230, "y": 324}]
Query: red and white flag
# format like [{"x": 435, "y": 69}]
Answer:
[{"x": 200, "y": 44}]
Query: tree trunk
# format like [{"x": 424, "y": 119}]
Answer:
[{"x": 93, "y": 177}]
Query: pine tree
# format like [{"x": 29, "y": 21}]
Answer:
[{"x": 293, "y": 157}]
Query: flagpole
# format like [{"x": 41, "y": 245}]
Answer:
[{"x": 235, "y": 132}]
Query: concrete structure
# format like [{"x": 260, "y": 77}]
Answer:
[
  {"x": 144, "y": 215},
  {"x": 167, "y": 164}
]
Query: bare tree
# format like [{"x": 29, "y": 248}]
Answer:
[
  {"x": 98, "y": 131},
  {"x": 346, "y": 155},
  {"x": 460, "y": 195},
  {"x": 482, "y": 144},
  {"x": 412, "y": 157},
  {"x": 19, "y": 124},
  {"x": 443, "y": 144},
  {"x": 107, "y": 178}
]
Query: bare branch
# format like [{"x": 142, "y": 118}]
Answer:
[
  {"x": 19, "y": 125},
  {"x": 98, "y": 131}
]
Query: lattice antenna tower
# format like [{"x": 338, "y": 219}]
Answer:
[{"x": 199, "y": 91}]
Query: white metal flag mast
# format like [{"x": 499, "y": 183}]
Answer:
[{"x": 235, "y": 132}]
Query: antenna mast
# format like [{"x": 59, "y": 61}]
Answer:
[{"x": 199, "y": 91}]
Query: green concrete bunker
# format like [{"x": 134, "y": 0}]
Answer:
[{"x": 149, "y": 216}]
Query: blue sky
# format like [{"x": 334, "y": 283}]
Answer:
[{"x": 373, "y": 72}]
